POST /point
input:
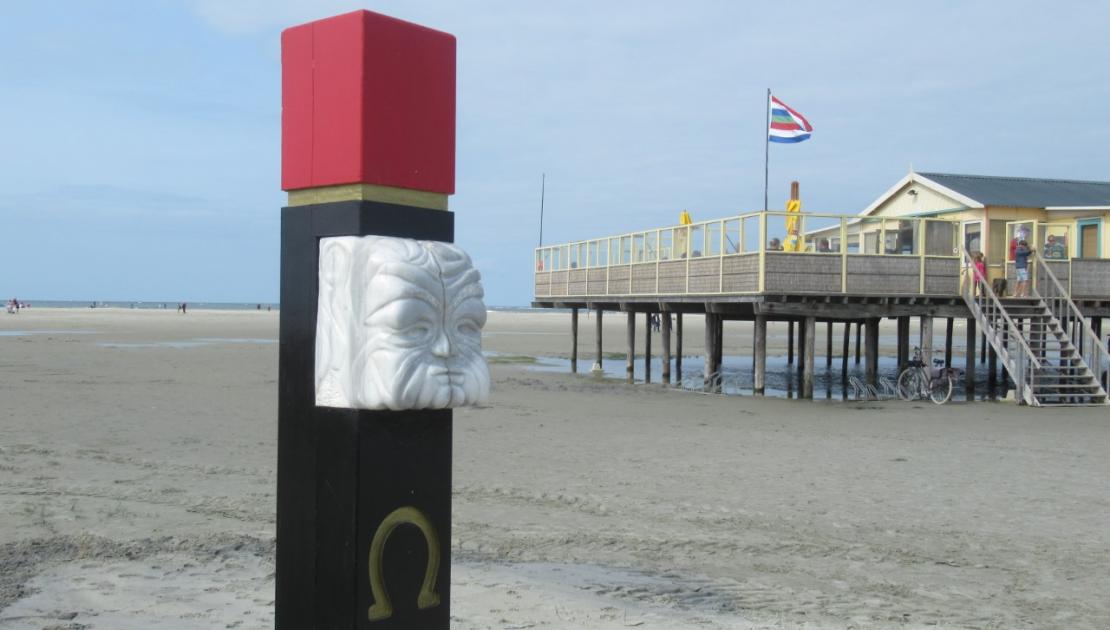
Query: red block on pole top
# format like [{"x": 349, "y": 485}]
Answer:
[{"x": 368, "y": 99}]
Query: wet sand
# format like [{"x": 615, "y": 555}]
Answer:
[{"x": 137, "y": 465}]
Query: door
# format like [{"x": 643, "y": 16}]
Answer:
[{"x": 1088, "y": 239}]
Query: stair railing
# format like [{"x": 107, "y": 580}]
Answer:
[
  {"x": 1009, "y": 341},
  {"x": 1083, "y": 337}
]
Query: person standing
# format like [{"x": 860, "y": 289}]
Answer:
[
  {"x": 1021, "y": 268},
  {"x": 980, "y": 271}
]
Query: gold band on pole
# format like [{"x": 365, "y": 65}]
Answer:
[{"x": 368, "y": 192}]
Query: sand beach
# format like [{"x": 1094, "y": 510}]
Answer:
[{"x": 137, "y": 490}]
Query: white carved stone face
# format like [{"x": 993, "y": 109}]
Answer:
[{"x": 399, "y": 325}]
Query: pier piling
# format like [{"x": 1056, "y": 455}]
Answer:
[
  {"x": 759, "y": 374},
  {"x": 629, "y": 364},
  {"x": 574, "y": 340},
  {"x": 597, "y": 342},
  {"x": 665, "y": 331}
]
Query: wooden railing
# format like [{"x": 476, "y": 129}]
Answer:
[
  {"x": 1001, "y": 332},
  {"x": 841, "y": 255},
  {"x": 1083, "y": 337}
]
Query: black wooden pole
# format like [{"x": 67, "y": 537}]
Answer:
[
  {"x": 341, "y": 472},
  {"x": 363, "y": 520}
]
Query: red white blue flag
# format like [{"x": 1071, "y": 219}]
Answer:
[{"x": 787, "y": 125}]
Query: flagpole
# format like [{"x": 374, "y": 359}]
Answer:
[
  {"x": 766, "y": 147},
  {"x": 543, "y": 189}
]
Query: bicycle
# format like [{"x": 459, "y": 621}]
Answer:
[{"x": 919, "y": 381}]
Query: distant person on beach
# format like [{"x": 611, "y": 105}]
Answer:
[{"x": 1021, "y": 268}]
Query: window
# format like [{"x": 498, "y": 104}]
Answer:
[
  {"x": 973, "y": 237},
  {"x": 996, "y": 242},
  {"x": 940, "y": 238}
]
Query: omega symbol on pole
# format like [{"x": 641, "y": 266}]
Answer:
[{"x": 428, "y": 598}]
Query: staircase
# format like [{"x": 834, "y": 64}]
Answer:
[{"x": 1043, "y": 341}]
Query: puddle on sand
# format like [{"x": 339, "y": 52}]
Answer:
[
  {"x": 188, "y": 343},
  {"x": 783, "y": 380},
  {"x": 27, "y": 333}
]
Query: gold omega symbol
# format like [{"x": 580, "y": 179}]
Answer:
[{"x": 428, "y": 598}]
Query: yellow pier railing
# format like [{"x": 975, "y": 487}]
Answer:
[{"x": 743, "y": 254}]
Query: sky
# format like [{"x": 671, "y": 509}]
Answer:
[{"x": 141, "y": 138}]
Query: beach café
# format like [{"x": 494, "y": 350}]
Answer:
[
  {"x": 903, "y": 256},
  {"x": 1065, "y": 221}
]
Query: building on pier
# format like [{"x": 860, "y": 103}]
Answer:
[
  {"x": 905, "y": 256},
  {"x": 1066, "y": 221}
]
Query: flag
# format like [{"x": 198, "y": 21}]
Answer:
[{"x": 787, "y": 125}]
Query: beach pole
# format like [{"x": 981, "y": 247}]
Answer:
[
  {"x": 678, "y": 348},
  {"x": 949, "y": 324},
  {"x": 647, "y": 347},
  {"x": 969, "y": 359},
  {"x": 983, "y": 347},
  {"x": 665, "y": 331},
  {"x": 759, "y": 374},
  {"x": 810, "y": 354},
  {"x": 363, "y": 495},
  {"x": 574, "y": 341},
  {"x": 629, "y": 363},
  {"x": 597, "y": 342},
  {"x": 872, "y": 350}
]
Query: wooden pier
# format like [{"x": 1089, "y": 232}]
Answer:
[{"x": 900, "y": 269}]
